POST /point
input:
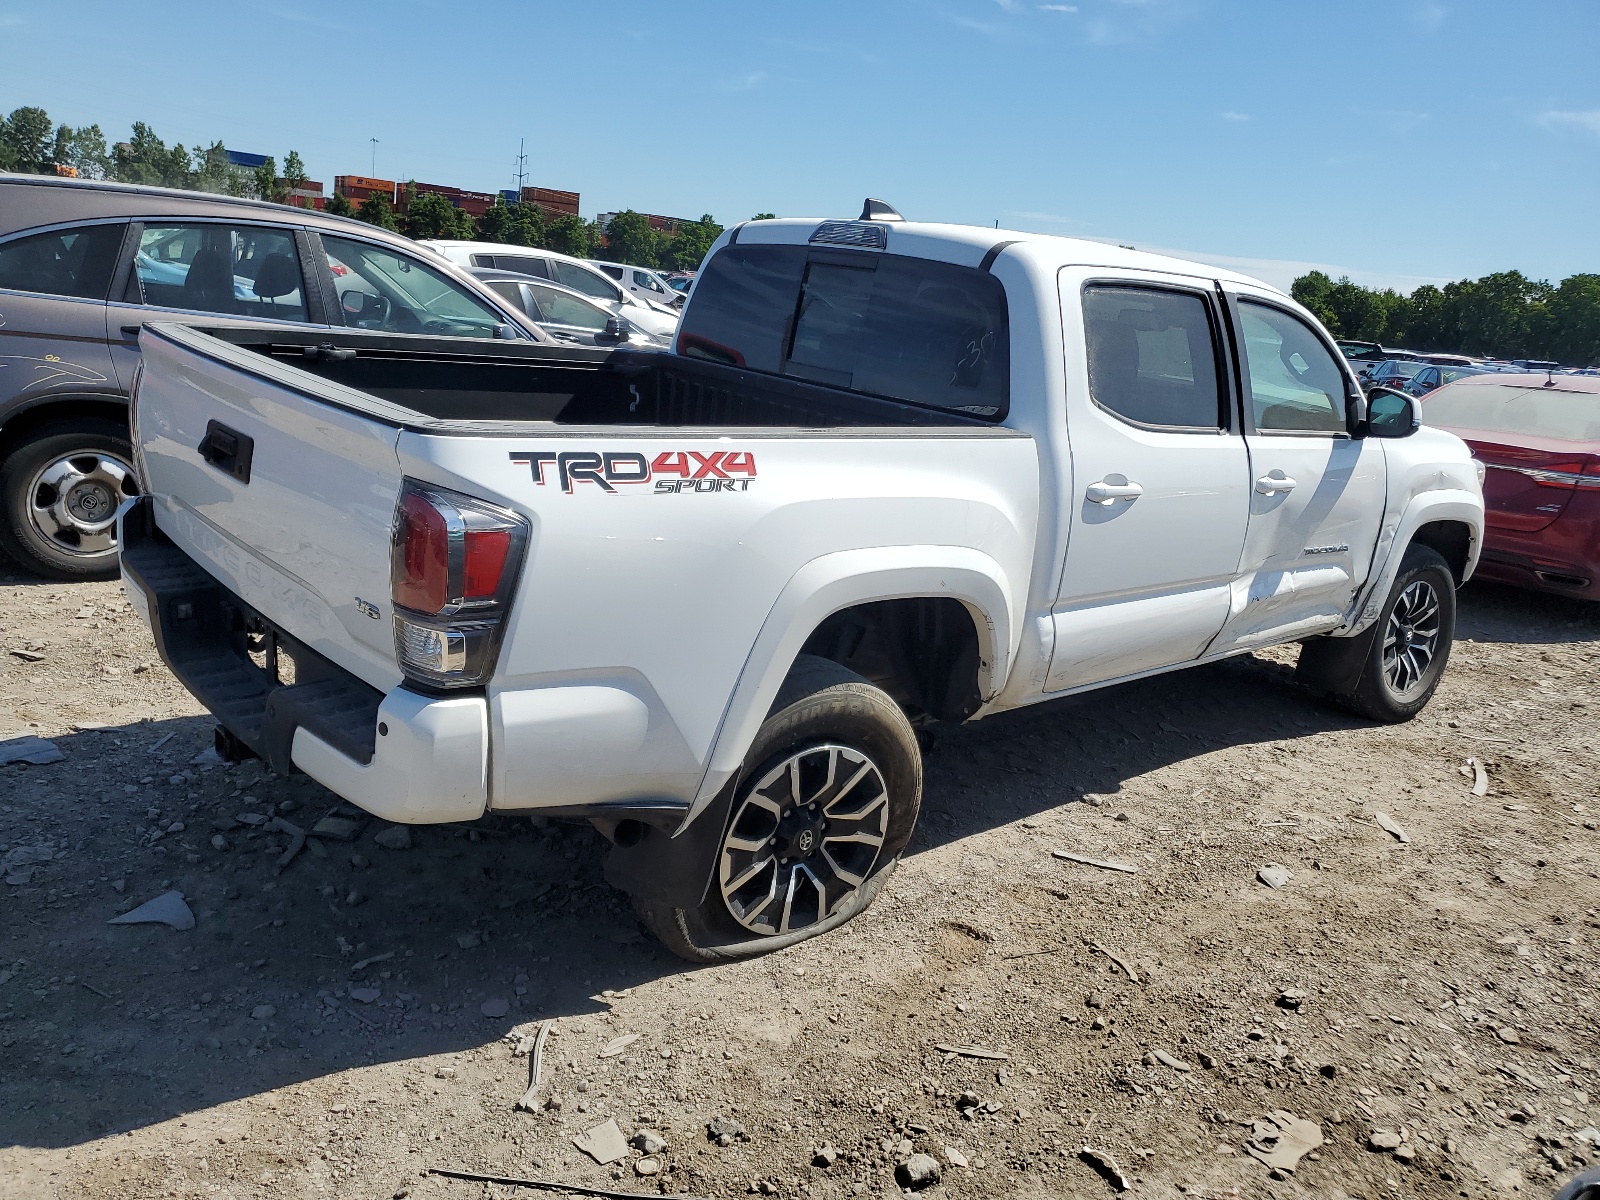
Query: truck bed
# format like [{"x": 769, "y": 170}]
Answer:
[{"x": 427, "y": 382}]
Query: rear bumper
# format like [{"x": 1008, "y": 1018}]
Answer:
[{"x": 403, "y": 756}]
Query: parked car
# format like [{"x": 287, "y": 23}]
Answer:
[
  {"x": 680, "y": 281},
  {"x": 570, "y": 272},
  {"x": 1361, "y": 355},
  {"x": 1431, "y": 377},
  {"x": 1538, "y": 437},
  {"x": 893, "y": 474},
  {"x": 1392, "y": 373},
  {"x": 641, "y": 281},
  {"x": 84, "y": 264},
  {"x": 567, "y": 315}
]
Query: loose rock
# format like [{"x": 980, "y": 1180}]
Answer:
[
  {"x": 918, "y": 1171},
  {"x": 1273, "y": 875},
  {"x": 396, "y": 837}
]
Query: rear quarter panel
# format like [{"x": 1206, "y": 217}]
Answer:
[{"x": 638, "y": 606}]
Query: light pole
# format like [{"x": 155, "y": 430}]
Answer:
[{"x": 374, "y": 142}]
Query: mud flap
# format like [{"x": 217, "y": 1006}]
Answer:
[
  {"x": 675, "y": 871},
  {"x": 1333, "y": 665}
]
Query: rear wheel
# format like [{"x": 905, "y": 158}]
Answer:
[
  {"x": 819, "y": 817},
  {"x": 1390, "y": 673},
  {"x": 60, "y": 492}
]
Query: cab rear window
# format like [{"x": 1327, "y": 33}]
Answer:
[
  {"x": 1567, "y": 416},
  {"x": 930, "y": 333}
]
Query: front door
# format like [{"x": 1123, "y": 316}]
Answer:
[
  {"x": 1160, "y": 476},
  {"x": 1316, "y": 494}
]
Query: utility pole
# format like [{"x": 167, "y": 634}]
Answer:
[
  {"x": 522, "y": 165},
  {"x": 374, "y": 142}
]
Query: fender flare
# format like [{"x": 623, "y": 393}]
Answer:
[
  {"x": 835, "y": 582},
  {"x": 1442, "y": 505}
]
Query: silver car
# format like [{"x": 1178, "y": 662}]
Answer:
[
  {"x": 83, "y": 264},
  {"x": 566, "y": 314}
]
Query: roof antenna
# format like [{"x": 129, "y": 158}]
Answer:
[
  {"x": 878, "y": 210},
  {"x": 1549, "y": 378}
]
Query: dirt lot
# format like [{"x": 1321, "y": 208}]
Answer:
[{"x": 322, "y": 1030}]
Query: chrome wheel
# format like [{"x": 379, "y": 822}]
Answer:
[
  {"x": 804, "y": 839},
  {"x": 73, "y": 501},
  {"x": 1411, "y": 638}
]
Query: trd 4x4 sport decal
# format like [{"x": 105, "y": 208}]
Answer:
[{"x": 670, "y": 471}]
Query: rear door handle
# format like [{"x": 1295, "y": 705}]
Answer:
[
  {"x": 1111, "y": 489},
  {"x": 132, "y": 330},
  {"x": 1271, "y": 485}
]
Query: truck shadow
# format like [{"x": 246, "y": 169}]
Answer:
[{"x": 354, "y": 953}]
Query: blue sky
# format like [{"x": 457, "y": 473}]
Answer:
[{"x": 1399, "y": 141}]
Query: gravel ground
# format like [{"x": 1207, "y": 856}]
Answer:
[{"x": 335, "y": 1026}]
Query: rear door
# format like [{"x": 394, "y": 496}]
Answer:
[
  {"x": 296, "y": 519},
  {"x": 53, "y": 312},
  {"x": 1316, "y": 494},
  {"x": 1160, "y": 476}
]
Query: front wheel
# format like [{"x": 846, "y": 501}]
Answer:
[
  {"x": 60, "y": 493},
  {"x": 826, "y": 803},
  {"x": 1391, "y": 672}
]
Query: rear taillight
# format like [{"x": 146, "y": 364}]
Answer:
[
  {"x": 453, "y": 564},
  {"x": 1591, "y": 473}
]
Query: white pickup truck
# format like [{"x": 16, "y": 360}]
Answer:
[{"x": 891, "y": 474}]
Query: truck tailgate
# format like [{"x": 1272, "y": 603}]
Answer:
[{"x": 287, "y": 499}]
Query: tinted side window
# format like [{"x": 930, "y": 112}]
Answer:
[
  {"x": 63, "y": 262},
  {"x": 1294, "y": 382},
  {"x": 561, "y": 309},
  {"x": 242, "y": 270},
  {"x": 580, "y": 279},
  {"x": 527, "y": 264},
  {"x": 1151, "y": 357}
]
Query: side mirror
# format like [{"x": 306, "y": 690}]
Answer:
[
  {"x": 1392, "y": 414},
  {"x": 1355, "y": 412},
  {"x": 505, "y": 332},
  {"x": 615, "y": 331}
]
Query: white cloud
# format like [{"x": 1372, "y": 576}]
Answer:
[
  {"x": 1589, "y": 121},
  {"x": 1236, "y": 116},
  {"x": 1010, "y": 6},
  {"x": 1061, "y": 8},
  {"x": 743, "y": 83},
  {"x": 1429, "y": 16}
]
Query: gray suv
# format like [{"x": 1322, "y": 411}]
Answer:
[{"x": 84, "y": 264}]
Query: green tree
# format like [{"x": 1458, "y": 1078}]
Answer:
[
  {"x": 430, "y": 215},
  {"x": 145, "y": 158},
  {"x": 689, "y": 247},
  {"x": 28, "y": 136},
  {"x": 1312, "y": 291},
  {"x": 570, "y": 235},
  {"x": 376, "y": 210},
  {"x": 630, "y": 239},
  {"x": 765, "y": 217},
  {"x": 266, "y": 181},
  {"x": 339, "y": 206},
  {"x": 84, "y": 150},
  {"x": 1575, "y": 321},
  {"x": 294, "y": 171}
]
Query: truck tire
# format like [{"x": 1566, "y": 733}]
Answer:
[
  {"x": 824, "y": 805},
  {"x": 1390, "y": 672},
  {"x": 60, "y": 491}
]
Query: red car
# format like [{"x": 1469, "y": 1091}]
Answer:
[{"x": 1539, "y": 438}]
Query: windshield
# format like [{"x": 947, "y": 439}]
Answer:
[
  {"x": 1568, "y": 416},
  {"x": 1400, "y": 368},
  {"x": 382, "y": 289}
]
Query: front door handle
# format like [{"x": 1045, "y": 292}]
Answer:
[
  {"x": 1113, "y": 488},
  {"x": 132, "y": 330},
  {"x": 1272, "y": 484}
]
